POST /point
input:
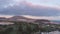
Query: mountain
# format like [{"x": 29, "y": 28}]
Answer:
[
  {"x": 3, "y": 19},
  {"x": 28, "y": 20},
  {"x": 21, "y": 18}
]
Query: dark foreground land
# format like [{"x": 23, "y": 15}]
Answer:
[{"x": 28, "y": 28}]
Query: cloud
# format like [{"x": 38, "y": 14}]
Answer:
[
  {"x": 7, "y": 3},
  {"x": 50, "y": 3},
  {"x": 27, "y": 8},
  {"x": 7, "y": 16},
  {"x": 43, "y": 17}
]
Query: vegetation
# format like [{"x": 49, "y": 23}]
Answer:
[{"x": 28, "y": 28}]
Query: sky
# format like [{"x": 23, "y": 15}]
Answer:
[
  {"x": 46, "y": 8},
  {"x": 51, "y": 3}
]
